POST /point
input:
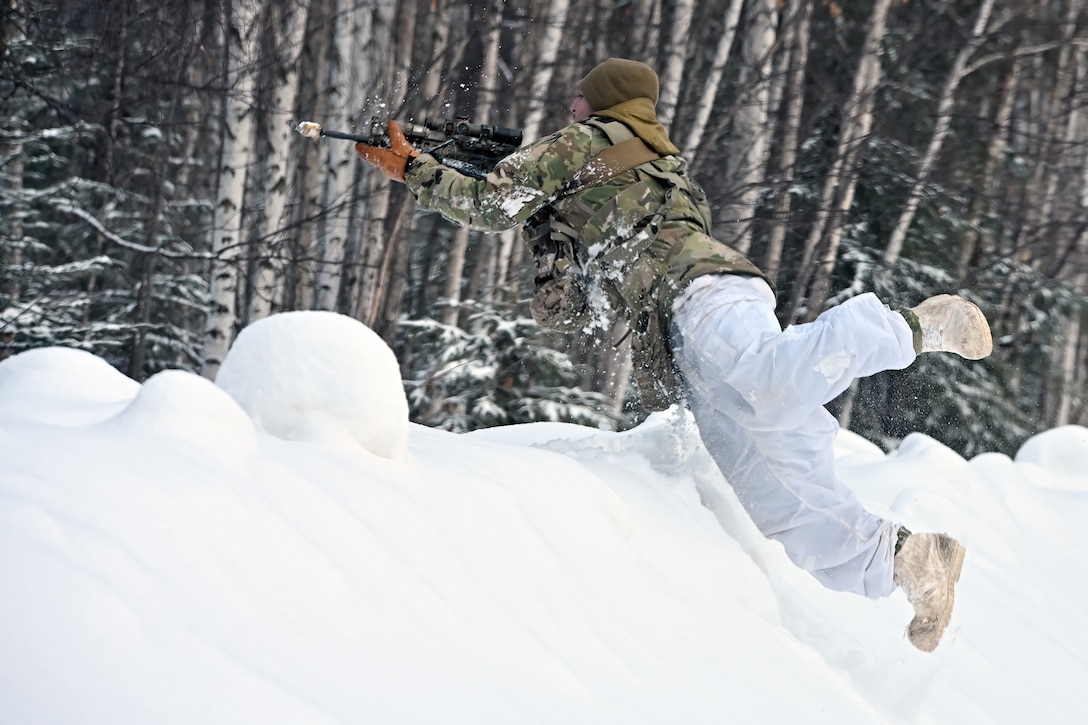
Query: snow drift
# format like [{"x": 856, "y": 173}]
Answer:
[{"x": 284, "y": 547}]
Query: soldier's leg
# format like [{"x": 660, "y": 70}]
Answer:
[
  {"x": 757, "y": 394},
  {"x": 786, "y": 482},
  {"x": 735, "y": 349}
]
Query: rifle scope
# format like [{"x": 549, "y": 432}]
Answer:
[{"x": 461, "y": 126}]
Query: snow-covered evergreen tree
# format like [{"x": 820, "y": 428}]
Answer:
[
  {"x": 94, "y": 236},
  {"x": 497, "y": 374}
]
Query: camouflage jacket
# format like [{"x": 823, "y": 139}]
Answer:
[{"x": 639, "y": 237}]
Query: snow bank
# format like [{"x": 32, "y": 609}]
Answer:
[
  {"x": 165, "y": 560},
  {"x": 319, "y": 376},
  {"x": 61, "y": 386},
  {"x": 1063, "y": 452},
  {"x": 184, "y": 407}
]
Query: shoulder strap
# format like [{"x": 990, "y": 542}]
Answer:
[
  {"x": 626, "y": 152},
  {"x": 614, "y": 160}
]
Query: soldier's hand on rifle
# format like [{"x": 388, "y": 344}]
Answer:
[{"x": 392, "y": 161}]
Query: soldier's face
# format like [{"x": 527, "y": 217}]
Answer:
[{"x": 580, "y": 110}]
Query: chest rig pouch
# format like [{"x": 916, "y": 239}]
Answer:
[
  {"x": 560, "y": 300},
  {"x": 558, "y": 243}
]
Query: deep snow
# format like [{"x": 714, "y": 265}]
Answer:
[{"x": 284, "y": 547}]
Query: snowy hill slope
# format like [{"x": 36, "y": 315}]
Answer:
[{"x": 284, "y": 547}]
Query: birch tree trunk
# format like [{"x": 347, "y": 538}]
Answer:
[
  {"x": 403, "y": 37},
  {"x": 438, "y": 22},
  {"x": 838, "y": 193},
  {"x": 940, "y": 132},
  {"x": 439, "y": 52},
  {"x": 647, "y": 20},
  {"x": 11, "y": 254},
  {"x": 1070, "y": 369},
  {"x": 288, "y": 30},
  {"x": 800, "y": 14},
  {"x": 751, "y": 129},
  {"x": 673, "y": 72},
  {"x": 431, "y": 255},
  {"x": 393, "y": 274},
  {"x": 396, "y": 259},
  {"x": 1070, "y": 374},
  {"x": 511, "y": 254},
  {"x": 1065, "y": 159},
  {"x": 236, "y": 155},
  {"x": 982, "y": 204},
  {"x": 375, "y": 50},
  {"x": 482, "y": 283},
  {"x": 579, "y": 45},
  {"x": 303, "y": 211},
  {"x": 1053, "y": 105},
  {"x": 372, "y": 243},
  {"x": 713, "y": 81},
  {"x": 486, "y": 99},
  {"x": 547, "y": 53},
  {"x": 353, "y": 31}
]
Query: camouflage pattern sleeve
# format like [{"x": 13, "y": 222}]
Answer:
[{"x": 516, "y": 188}]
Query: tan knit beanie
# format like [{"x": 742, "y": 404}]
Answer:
[{"x": 617, "y": 80}]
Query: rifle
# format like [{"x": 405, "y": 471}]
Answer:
[{"x": 473, "y": 149}]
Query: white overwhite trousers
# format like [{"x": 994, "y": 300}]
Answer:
[{"x": 757, "y": 393}]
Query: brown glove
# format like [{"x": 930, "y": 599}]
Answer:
[{"x": 392, "y": 161}]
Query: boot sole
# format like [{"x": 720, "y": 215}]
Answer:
[
  {"x": 926, "y": 635},
  {"x": 981, "y": 348},
  {"x": 958, "y": 557},
  {"x": 957, "y": 561}
]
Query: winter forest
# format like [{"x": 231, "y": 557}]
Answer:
[{"x": 155, "y": 198}]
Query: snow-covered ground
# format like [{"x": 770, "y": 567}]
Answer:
[{"x": 284, "y": 547}]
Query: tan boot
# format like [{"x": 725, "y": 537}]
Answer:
[
  {"x": 947, "y": 323},
  {"x": 927, "y": 568}
]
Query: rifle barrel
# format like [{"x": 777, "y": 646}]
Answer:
[
  {"x": 309, "y": 129},
  {"x": 346, "y": 136}
]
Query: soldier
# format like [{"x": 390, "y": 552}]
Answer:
[{"x": 617, "y": 228}]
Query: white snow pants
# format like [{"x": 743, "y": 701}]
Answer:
[{"x": 757, "y": 393}]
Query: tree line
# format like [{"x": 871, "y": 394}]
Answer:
[{"x": 155, "y": 199}]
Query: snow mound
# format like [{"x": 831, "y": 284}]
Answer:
[
  {"x": 319, "y": 377},
  {"x": 185, "y": 407},
  {"x": 1063, "y": 452},
  {"x": 67, "y": 387},
  {"x": 938, "y": 484}
]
